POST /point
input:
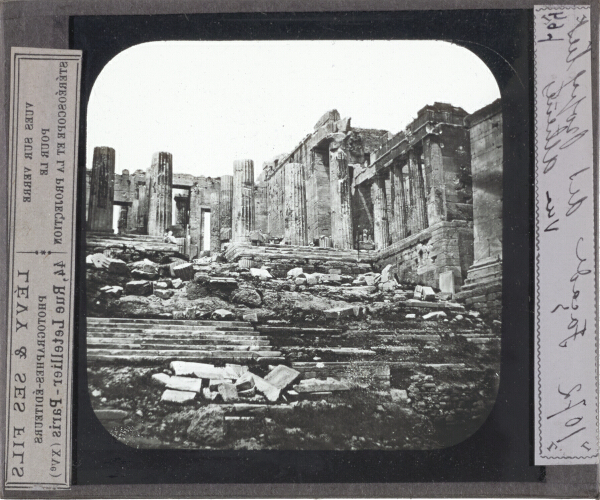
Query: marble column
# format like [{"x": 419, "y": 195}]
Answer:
[
  {"x": 215, "y": 224},
  {"x": 399, "y": 227},
  {"x": 225, "y": 206},
  {"x": 295, "y": 205},
  {"x": 102, "y": 190},
  {"x": 420, "y": 202},
  {"x": 161, "y": 194},
  {"x": 242, "y": 213},
  {"x": 380, "y": 226},
  {"x": 341, "y": 196}
]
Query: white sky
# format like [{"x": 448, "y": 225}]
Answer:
[{"x": 209, "y": 103}]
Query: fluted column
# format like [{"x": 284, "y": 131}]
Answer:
[
  {"x": 399, "y": 230},
  {"x": 242, "y": 217},
  {"x": 102, "y": 190},
  {"x": 225, "y": 204},
  {"x": 340, "y": 191},
  {"x": 380, "y": 226},
  {"x": 161, "y": 194},
  {"x": 215, "y": 224},
  {"x": 420, "y": 202},
  {"x": 295, "y": 205}
]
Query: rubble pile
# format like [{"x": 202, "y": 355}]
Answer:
[{"x": 277, "y": 353}]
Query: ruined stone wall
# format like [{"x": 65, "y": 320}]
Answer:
[
  {"x": 421, "y": 258},
  {"x": 483, "y": 287},
  {"x": 352, "y": 148}
]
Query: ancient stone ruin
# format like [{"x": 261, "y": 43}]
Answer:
[
  {"x": 347, "y": 298},
  {"x": 427, "y": 200}
]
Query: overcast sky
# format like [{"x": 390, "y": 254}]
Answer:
[{"x": 209, "y": 103}]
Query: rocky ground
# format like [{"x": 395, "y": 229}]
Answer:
[{"x": 407, "y": 368}]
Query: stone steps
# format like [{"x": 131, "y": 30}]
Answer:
[
  {"x": 102, "y": 344},
  {"x": 172, "y": 329},
  {"x": 160, "y": 340},
  {"x": 208, "y": 337},
  {"x": 198, "y": 354},
  {"x": 148, "y": 322}
]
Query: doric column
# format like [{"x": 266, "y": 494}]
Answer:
[
  {"x": 215, "y": 224},
  {"x": 225, "y": 201},
  {"x": 242, "y": 218},
  {"x": 341, "y": 196},
  {"x": 399, "y": 230},
  {"x": 295, "y": 204},
  {"x": 420, "y": 203},
  {"x": 161, "y": 194},
  {"x": 380, "y": 227},
  {"x": 102, "y": 190}
]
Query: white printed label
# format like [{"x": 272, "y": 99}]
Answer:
[{"x": 44, "y": 124}]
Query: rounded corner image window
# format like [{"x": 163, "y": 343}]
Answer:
[{"x": 294, "y": 245}]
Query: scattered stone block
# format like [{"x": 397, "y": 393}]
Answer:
[
  {"x": 410, "y": 316},
  {"x": 252, "y": 317},
  {"x": 312, "y": 279},
  {"x": 300, "y": 281},
  {"x": 427, "y": 293},
  {"x": 244, "y": 263},
  {"x": 160, "y": 285},
  {"x": 331, "y": 278},
  {"x": 143, "y": 275},
  {"x": 164, "y": 294},
  {"x": 388, "y": 286},
  {"x": 141, "y": 288},
  {"x": 294, "y": 273},
  {"x": 245, "y": 382},
  {"x": 209, "y": 395},
  {"x": 262, "y": 274},
  {"x": 233, "y": 371},
  {"x": 342, "y": 312},
  {"x": 269, "y": 391},
  {"x": 114, "y": 292},
  {"x": 109, "y": 414},
  {"x": 370, "y": 279},
  {"x": 317, "y": 385},
  {"x": 248, "y": 393},
  {"x": 177, "y": 283},
  {"x": 98, "y": 260},
  {"x": 386, "y": 274},
  {"x": 418, "y": 293},
  {"x": 228, "y": 392},
  {"x": 435, "y": 315},
  {"x": 183, "y": 271},
  {"x": 200, "y": 370},
  {"x": 223, "y": 315},
  {"x": 446, "y": 282},
  {"x": 185, "y": 384},
  {"x": 282, "y": 376},
  {"x": 161, "y": 378},
  {"x": 117, "y": 266},
  {"x": 213, "y": 384},
  {"x": 173, "y": 396}
]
